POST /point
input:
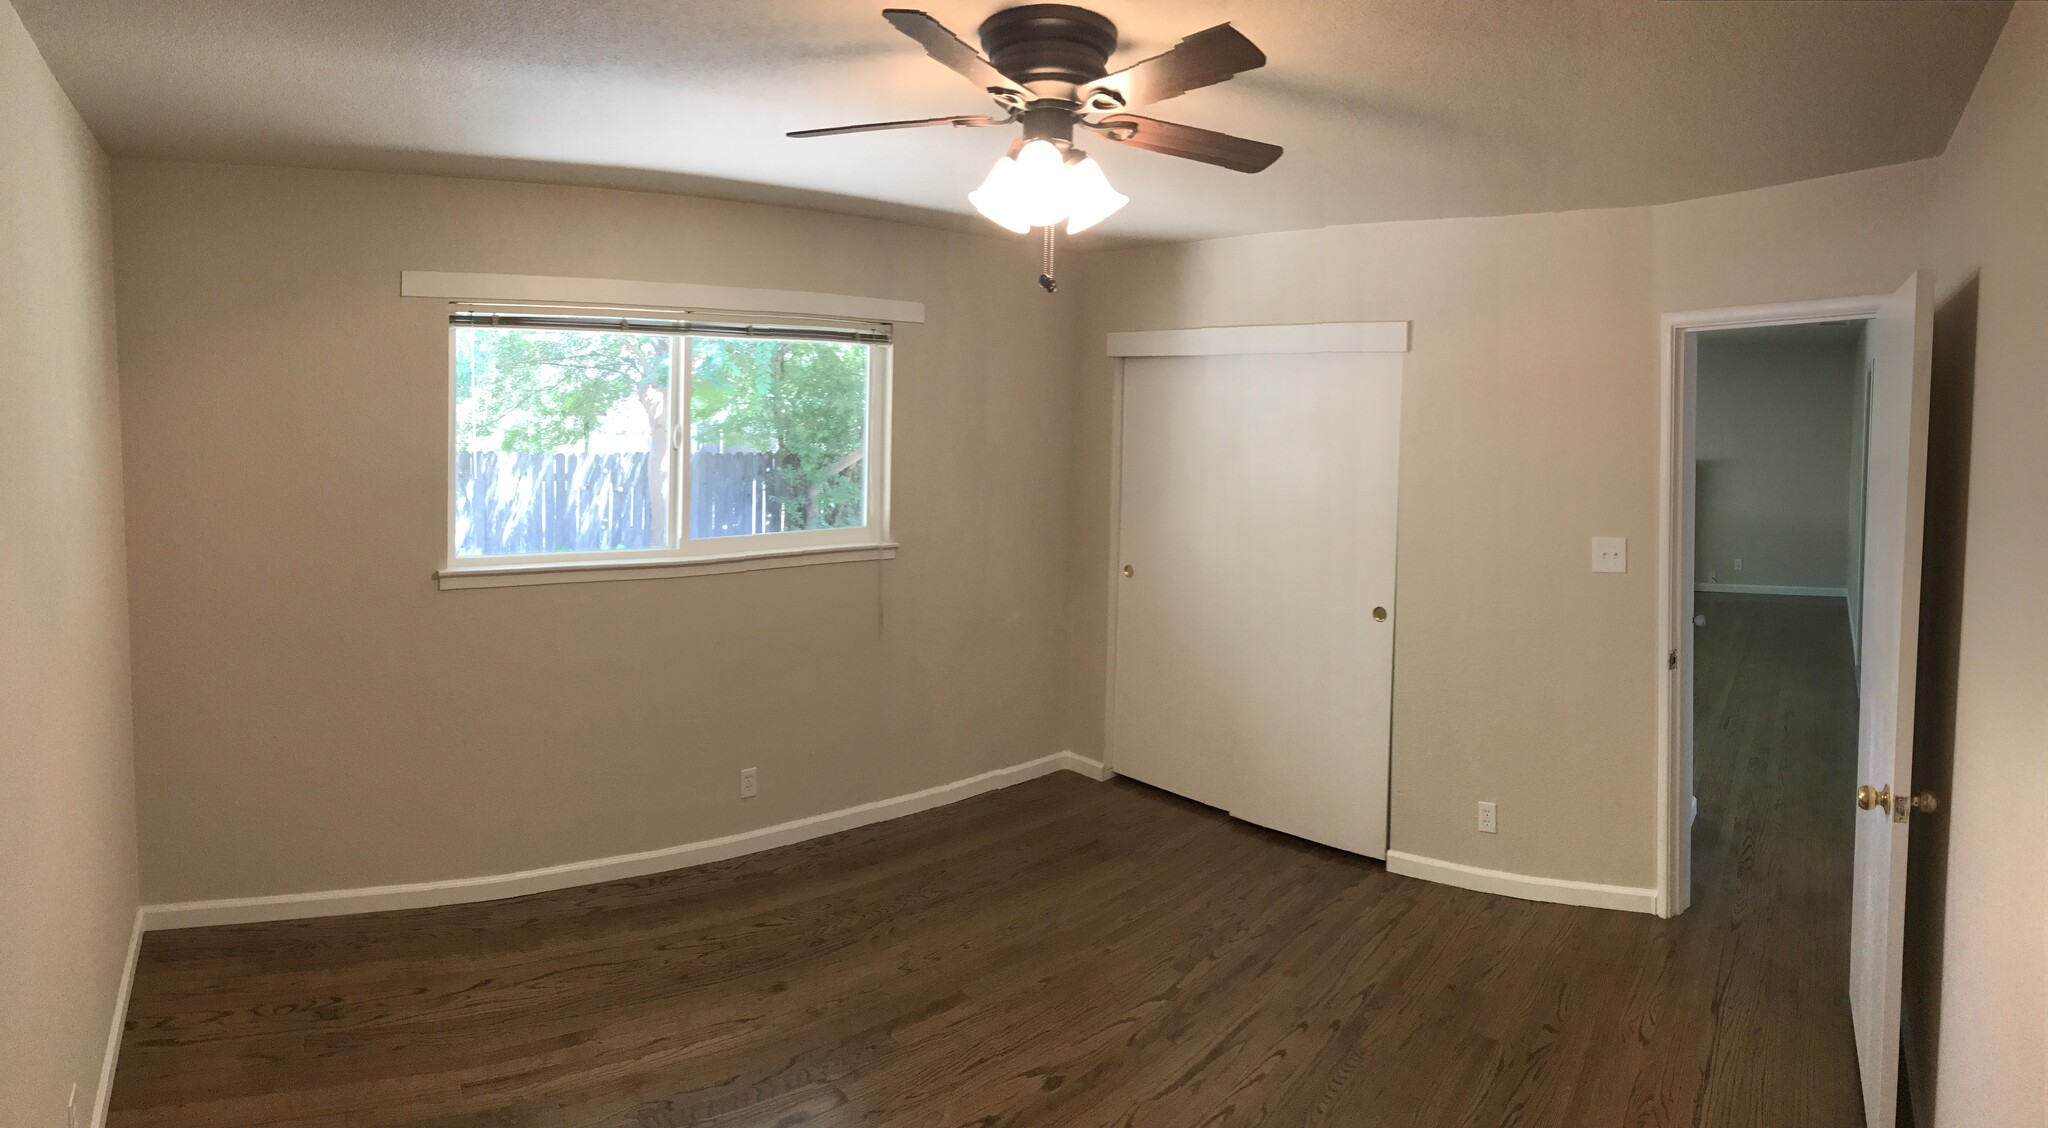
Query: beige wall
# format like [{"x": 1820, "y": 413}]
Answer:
[
  {"x": 312, "y": 713},
  {"x": 1530, "y": 425},
  {"x": 67, "y": 809},
  {"x": 1977, "y": 976},
  {"x": 1775, "y": 437}
]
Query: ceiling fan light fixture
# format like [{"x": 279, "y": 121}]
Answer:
[
  {"x": 1090, "y": 199},
  {"x": 1025, "y": 191},
  {"x": 1042, "y": 186},
  {"x": 1047, "y": 67},
  {"x": 998, "y": 198}
]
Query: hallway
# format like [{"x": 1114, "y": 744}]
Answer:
[{"x": 1775, "y": 753}]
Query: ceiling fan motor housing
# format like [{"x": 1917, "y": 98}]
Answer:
[{"x": 1057, "y": 45}]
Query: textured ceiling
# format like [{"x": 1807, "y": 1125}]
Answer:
[{"x": 1389, "y": 109}]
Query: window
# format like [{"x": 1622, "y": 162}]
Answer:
[{"x": 568, "y": 427}]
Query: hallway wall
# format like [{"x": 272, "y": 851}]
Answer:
[{"x": 1776, "y": 446}]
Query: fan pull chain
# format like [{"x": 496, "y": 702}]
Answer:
[{"x": 1045, "y": 278}]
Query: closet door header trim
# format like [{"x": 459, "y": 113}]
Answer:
[{"x": 1239, "y": 340}]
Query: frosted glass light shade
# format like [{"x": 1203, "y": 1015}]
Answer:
[
  {"x": 998, "y": 197},
  {"x": 1039, "y": 188},
  {"x": 1025, "y": 191},
  {"x": 1090, "y": 199}
]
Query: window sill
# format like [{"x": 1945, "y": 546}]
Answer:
[{"x": 596, "y": 571}]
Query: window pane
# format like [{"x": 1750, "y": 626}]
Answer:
[
  {"x": 778, "y": 436},
  {"x": 561, "y": 441}
]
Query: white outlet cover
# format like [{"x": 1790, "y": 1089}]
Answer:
[{"x": 1610, "y": 554}]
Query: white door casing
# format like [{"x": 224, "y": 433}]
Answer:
[
  {"x": 1675, "y": 581},
  {"x": 1688, "y": 582}
]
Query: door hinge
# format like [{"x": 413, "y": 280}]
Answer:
[{"x": 1671, "y": 662}]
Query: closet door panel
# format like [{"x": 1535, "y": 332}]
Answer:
[
  {"x": 1173, "y": 727},
  {"x": 1257, "y": 517}
]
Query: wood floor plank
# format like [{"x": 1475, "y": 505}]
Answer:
[{"x": 1067, "y": 954}]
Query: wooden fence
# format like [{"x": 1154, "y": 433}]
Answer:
[{"x": 513, "y": 503}]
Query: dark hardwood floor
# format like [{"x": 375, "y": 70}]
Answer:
[{"x": 1072, "y": 954}]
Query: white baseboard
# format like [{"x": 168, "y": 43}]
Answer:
[
  {"x": 1555, "y": 890},
  {"x": 1774, "y": 589},
  {"x": 115, "y": 1029},
  {"x": 1093, "y": 769},
  {"x": 492, "y": 887}
]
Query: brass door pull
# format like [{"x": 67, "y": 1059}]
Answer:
[
  {"x": 1379, "y": 614},
  {"x": 1129, "y": 571}
]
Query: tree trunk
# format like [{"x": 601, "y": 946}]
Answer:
[
  {"x": 660, "y": 448},
  {"x": 845, "y": 463}
]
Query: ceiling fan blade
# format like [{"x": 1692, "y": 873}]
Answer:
[
  {"x": 1202, "y": 59},
  {"x": 1175, "y": 140},
  {"x": 949, "y": 49},
  {"x": 961, "y": 119}
]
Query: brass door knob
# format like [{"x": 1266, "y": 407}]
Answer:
[
  {"x": 1881, "y": 798},
  {"x": 1379, "y": 614},
  {"x": 1129, "y": 571}
]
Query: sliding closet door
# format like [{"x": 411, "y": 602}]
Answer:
[{"x": 1254, "y": 629}]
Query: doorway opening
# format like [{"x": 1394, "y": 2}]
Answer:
[{"x": 1794, "y": 474}]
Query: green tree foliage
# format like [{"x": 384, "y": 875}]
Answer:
[
  {"x": 538, "y": 391},
  {"x": 802, "y": 402},
  {"x": 549, "y": 390}
]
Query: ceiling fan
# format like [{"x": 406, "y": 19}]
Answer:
[{"x": 1047, "y": 67}]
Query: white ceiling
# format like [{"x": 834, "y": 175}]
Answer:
[{"x": 1389, "y": 109}]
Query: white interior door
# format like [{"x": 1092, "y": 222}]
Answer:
[
  {"x": 1902, "y": 344},
  {"x": 1254, "y": 623}
]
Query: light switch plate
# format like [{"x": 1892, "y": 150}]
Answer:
[{"x": 1610, "y": 554}]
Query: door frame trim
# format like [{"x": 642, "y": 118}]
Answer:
[{"x": 1674, "y": 521}]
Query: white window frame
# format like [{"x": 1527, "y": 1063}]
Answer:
[{"x": 709, "y": 556}]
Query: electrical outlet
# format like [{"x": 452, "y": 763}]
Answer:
[
  {"x": 71, "y": 1107},
  {"x": 1738, "y": 563},
  {"x": 1610, "y": 554},
  {"x": 1486, "y": 819},
  {"x": 748, "y": 784}
]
